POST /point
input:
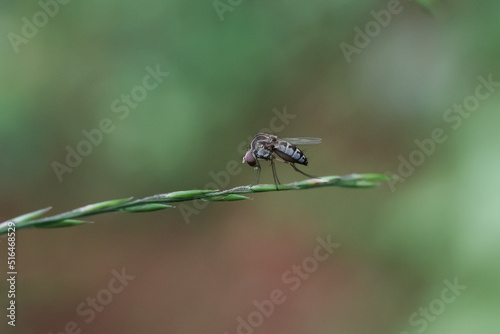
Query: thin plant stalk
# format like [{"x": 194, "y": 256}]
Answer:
[{"x": 163, "y": 201}]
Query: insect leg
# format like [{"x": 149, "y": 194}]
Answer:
[
  {"x": 301, "y": 172},
  {"x": 256, "y": 178},
  {"x": 275, "y": 176}
]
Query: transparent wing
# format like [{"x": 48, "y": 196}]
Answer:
[{"x": 303, "y": 140}]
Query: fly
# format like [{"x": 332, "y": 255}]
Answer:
[{"x": 265, "y": 146}]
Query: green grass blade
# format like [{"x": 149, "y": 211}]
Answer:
[{"x": 157, "y": 202}]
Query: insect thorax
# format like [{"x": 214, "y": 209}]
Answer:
[{"x": 262, "y": 153}]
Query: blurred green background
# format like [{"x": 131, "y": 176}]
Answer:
[{"x": 232, "y": 66}]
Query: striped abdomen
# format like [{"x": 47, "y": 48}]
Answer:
[{"x": 289, "y": 152}]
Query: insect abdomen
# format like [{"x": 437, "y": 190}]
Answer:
[{"x": 290, "y": 152}]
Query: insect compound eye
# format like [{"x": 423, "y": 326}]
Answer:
[{"x": 249, "y": 158}]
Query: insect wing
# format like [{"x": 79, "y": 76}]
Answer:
[{"x": 303, "y": 140}]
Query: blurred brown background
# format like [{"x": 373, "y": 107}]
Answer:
[{"x": 368, "y": 77}]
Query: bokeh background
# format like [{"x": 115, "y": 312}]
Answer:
[{"x": 229, "y": 74}]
